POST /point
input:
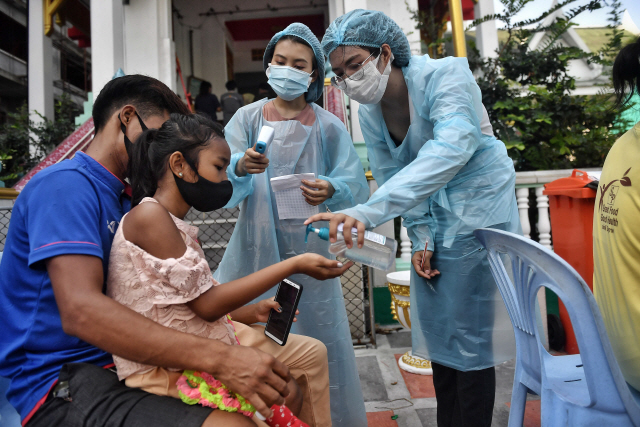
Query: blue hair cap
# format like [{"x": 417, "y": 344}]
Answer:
[
  {"x": 368, "y": 28},
  {"x": 302, "y": 31}
]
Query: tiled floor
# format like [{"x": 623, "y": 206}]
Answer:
[{"x": 388, "y": 391}]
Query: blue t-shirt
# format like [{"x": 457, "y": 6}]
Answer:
[{"x": 72, "y": 207}]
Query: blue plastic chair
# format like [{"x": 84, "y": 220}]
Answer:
[{"x": 585, "y": 389}]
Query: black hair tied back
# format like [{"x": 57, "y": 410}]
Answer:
[
  {"x": 142, "y": 181},
  {"x": 626, "y": 73},
  {"x": 149, "y": 156}
]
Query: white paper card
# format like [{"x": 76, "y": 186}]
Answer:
[{"x": 291, "y": 203}]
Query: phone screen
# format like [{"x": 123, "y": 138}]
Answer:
[{"x": 279, "y": 323}]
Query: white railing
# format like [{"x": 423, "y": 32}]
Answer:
[
  {"x": 544, "y": 225},
  {"x": 525, "y": 183}
]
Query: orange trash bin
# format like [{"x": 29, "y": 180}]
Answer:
[{"x": 571, "y": 207}]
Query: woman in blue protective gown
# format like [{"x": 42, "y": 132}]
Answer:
[
  {"x": 439, "y": 166},
  {"x": 307, "y": 139}
]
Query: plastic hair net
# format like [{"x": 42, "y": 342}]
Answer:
[
  {"x": 302, "y": 31},
  {"x": 367, "y": 28}
]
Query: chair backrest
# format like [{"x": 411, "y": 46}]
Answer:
[
  {"x": 534, "y": 266},
  {"x": 524, "y": 325}
]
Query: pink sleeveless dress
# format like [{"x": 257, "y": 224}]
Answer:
[{"x": 159, "y": 290}]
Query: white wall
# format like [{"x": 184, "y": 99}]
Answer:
[
  {"x": 213, "y": 54},
  {"x": 40, "y": 65},
  {"x": 336, "y": 8},
  {"x": 107, "y": 41},
  {"x": 350, "y": 5},
  {"x": 209, "y": 39},
  {"x": 148, "y": 44},
  {"x": 181, "y": 41},
  {"x": 242, "y": 62},
  {"x": 487, "y": 33}
]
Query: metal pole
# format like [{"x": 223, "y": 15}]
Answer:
[
  {"x": 457, "y": 30},
  {"x": 191, "y": 72},
  {"x": 372, "y": 316}
]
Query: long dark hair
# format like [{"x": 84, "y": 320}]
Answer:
[
  {"x": 626, "y": 72},
  {"x": 149, "y": 156}
]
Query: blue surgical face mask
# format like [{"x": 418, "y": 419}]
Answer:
[{"x": 288, "y": 82}]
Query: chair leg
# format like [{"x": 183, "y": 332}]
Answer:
[{"x": 518, "y": 402}]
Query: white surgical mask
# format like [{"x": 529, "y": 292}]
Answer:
[
  {"x": 287, "y": 82},
  {"x": 369, "y": 89}
]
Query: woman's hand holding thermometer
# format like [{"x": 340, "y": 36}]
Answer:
[{"x": 254, "y": 161}]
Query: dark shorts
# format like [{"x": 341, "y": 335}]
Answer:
[{"x": 99, "y": 399}]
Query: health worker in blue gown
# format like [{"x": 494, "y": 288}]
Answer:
[
  {"x": 433, "y": 153},
  {"x": 307, "y": 139}
]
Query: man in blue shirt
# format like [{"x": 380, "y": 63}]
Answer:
[{"x": 58, "y": 326}]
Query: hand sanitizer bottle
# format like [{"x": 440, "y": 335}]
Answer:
[{"x": 378, "y": 251}]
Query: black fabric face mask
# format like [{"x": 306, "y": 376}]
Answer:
[
  {"x": 123, "y": 128},
  {"x": 204, "y": 195}
]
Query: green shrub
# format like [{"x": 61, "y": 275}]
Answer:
[
  {"x": 528, "y": 93},
  {"x": 24, "y": 143}
]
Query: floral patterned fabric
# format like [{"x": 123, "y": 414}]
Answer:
[
  {"x": 160, "y": 288},
  {"x": 201, "y": 388}
]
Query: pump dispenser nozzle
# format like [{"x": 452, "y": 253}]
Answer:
[{"x": 322, "y": 233}]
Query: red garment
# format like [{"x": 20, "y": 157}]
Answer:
[{"x": 283, "y": 417}]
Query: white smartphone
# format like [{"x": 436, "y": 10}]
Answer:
[{"x": 279, "y": 323}]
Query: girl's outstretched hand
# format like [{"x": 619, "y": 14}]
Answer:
[
  {"x": 319, "y": 267},
  {"x": 263, "y": 308}
]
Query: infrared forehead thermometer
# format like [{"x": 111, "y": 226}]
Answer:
[{"x": 264, "y": 138}]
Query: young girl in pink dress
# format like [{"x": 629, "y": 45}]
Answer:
[{"x": 158, "y": 269}]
